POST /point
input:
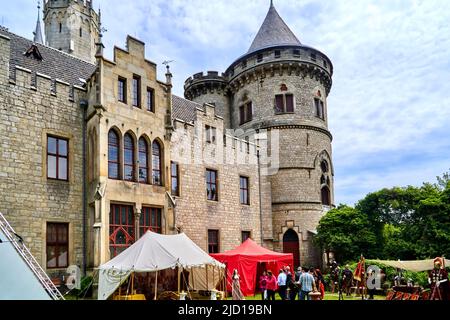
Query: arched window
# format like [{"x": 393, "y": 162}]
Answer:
[
  {"x": 143, "y": 161},
  {"x": 129, "y": 157},
  {"x": 324, "y": 166},
  {"x": 113, "y": 155},
  {"x": 156, "y": 163},
  {"x": 326, "y": 201}
]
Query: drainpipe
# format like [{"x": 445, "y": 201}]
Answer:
[
  {"x": 260, "y": 198},
  {"x": 84, "y": 106}
]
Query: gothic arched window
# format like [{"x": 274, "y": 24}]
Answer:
[
  {"x": 156, "y": 163},
  {"x": 129, "y": 157},
  {"x": 326, "y": 199},
  {"x": 143, "y": 161},
  {"x": 113, "y": 155}
]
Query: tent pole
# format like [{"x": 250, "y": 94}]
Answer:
[
  {"x": 214, "y": 275},
  {"x": 156, "y": 285},
  {"x": 207, "y": 286},
  {"x": 179, "y": 280},
  {"x": 132, "y": 283}
]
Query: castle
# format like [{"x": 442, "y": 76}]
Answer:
[{"x": 96, "y": 152}]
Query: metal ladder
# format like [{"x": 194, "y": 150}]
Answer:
[{"x": 22, "y": 249}]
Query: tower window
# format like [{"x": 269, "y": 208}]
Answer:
[
  {"x": 246, "y": 113},
  {"x": 136, "y": 91},
  {"x": 81, "y": 33},
  {"x": 325, "y": 193},
  {"x": 325, "y": 64},
  {"x": 122, "y": 88},
  {"x": 260, "y": 57},
  {"x": 320, "y": 110},
  {"x": 244, "y": 64},
  {"x": 60, "y": 27},
  {"x": 313, "y": 57},
  {"x": 277, "y": 53},
  {"x": 284, "y": 103},
  {"x": 296, "y": 53}
]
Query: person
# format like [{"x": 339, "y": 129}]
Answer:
[
  {"x": 282, "y": 284},
  {"x": 319, "y": 282},
  {"x": 347, "y": 279},
  {"x": 334, "y": 276},
  {"x": 236, "y": 288},
  {"x": 271, "y": 285},
  {"x": 438, "y": 280},
  {"x": 306, "y": 284},
  {"x": 371, "y": 290},
  {"x": 298, "y": 274},
  {"x": 290, "y": 283},
  {"x": 263, "y": 285}
]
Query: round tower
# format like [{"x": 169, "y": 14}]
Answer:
[
  {"x": 72, "y": 26},
  {"x": 287, "y": 84},
  {"x": 211, "y": 88}
]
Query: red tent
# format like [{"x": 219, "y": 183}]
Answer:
[{"x": 247, "y": 258}]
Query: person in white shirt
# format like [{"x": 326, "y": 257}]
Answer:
[{"x": 282, "y": 287}]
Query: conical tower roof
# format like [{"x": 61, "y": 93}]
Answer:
[
  {"x": 273, "y": 32},
  {"x": 38, "y": 33}
]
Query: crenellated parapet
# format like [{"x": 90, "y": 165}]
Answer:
[
  {"x": 301, "y": 61},
  {"x": 201, "y": 84}
]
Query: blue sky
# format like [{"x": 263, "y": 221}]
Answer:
[{"x": 389, "y": 109}]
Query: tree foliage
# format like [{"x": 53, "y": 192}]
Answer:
[{"x": 399, "y": 223}]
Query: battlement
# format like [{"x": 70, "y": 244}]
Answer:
[
  {"x": 213, "y": 76},
  {"x": 85, "y": 3},
  {"x": 44, "y": 84}
]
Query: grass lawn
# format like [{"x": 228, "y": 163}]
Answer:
[{"x": 328, "y": 296}]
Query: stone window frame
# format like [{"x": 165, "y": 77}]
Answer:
[
  {"x": 58, "y": 156},
  {"x": 277, "y": 54},
  {"x": 119, "y": 154},
  {"x": 71, "y": 155},
  {"x": 122, "y": 91},
  {"x": 151, "y": 102},
  {"x": 57, "y": 244},
  {"x": 161, "y": 163},
  {"x": 247, "y": 233},
  {"x": 246, "y": 112},
  {"x": 209, "y": 184},
  {"x": 247, "y": 190},
  {"x": 319, "y": 105},
  {"x": 131, "y": 225},
  {"x": 177, "y": 192},
  {"x": 210, "y": 243},
  {"x": 284, "y": 110},
  {"x": 136, "y": 91},
  {"x": 70, "y": 253},
  {"x": 133, "y": 164},
  {"x": 145, "y": 225},
  {"x": 147, "y": 165},
  {"x": 210, "y": 134}
]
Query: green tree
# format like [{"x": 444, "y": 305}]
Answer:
[{"x": 346, "y": 232}]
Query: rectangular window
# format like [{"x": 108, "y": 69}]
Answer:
[
  {"x": 320, "y": 110},
  {"x": 247, "y": 144},
  {"x": 57, "y": 245},
  {"x": 136, "y": 91},
  {"x": 210, "y": 134},
  {"x": 313, "y": 57},
  {"x": 244, "y": 64},
  {"x": 150, "y": 100},
  {"x": 57, "y": 158},
  {"x": 279, "y": 103},
  {"x": 249, "y": 112},
  {"x": 121, "y": 228},
  {"x": 244, "y": 190},
  {"x": 175, "y": 174},
  {"x": 260, "y": 57},
  {"x": 296, "y": 53},
  {"x": 246, "y": 235},
  {"x": 150, "y": 220},
  {"x": 277, "y": 53},
  {"x": 122, "y": 89},
  {"x": 213, "y": 241},
  {"x": 289, "y": 103},
  {"x": 242, "y": 114},
  {"x": 211, "y": 185},
  {"x": 325, "y": 64}
]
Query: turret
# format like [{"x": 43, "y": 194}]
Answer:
[{"x": 72, "y": 26}]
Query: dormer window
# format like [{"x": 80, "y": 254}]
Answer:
[{"x": 34, "y": 52}]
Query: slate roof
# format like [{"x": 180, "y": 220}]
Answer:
[
  {"x": 273, "y": 32},
  {"x": 54, "y": 63},
  {"x": 185, "y": 110}
]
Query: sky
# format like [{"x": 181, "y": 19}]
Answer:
[{"x": 389, "y": 108}]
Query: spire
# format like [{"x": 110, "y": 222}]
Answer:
[
  {"x": 273, "y": 32},
  {"x": 38, "y": 33},
  {"x": 99, "y": 43}
]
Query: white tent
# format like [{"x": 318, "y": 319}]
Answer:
[
  {"x": 17, "y": 280},
  {"x": 414, "y": 266},
  {"x": 155, "y": 252}
]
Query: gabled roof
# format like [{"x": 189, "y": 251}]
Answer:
[
  {"x": 54, "y": 63},
  {"x": 273, "y": 32},
  {"x": 185, "y": 110}
]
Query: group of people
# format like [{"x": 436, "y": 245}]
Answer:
[{"x": 290, "y": 285}]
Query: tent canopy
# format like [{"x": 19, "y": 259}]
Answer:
[
  {"x": 246, "y": 258},
  {"x": 414, "y": 266},
  {"x": 153, "y": 252},
  {"x": 17, "y": 280}
]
